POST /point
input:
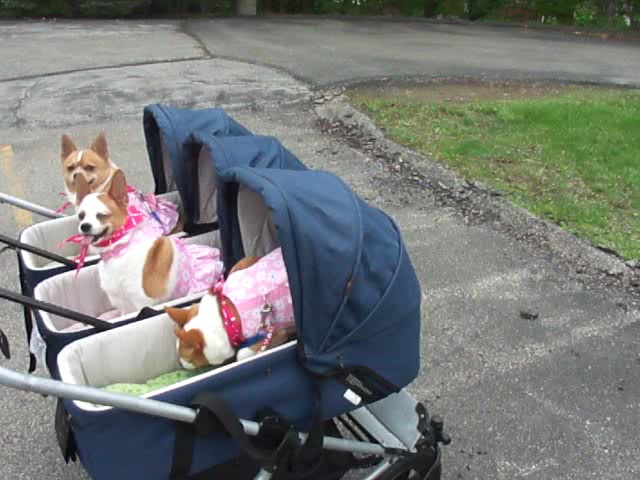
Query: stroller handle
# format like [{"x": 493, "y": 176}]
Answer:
[
  {"x": 54, "y": 309},
  {"x": 13, "y": 243},
  {"x": 31, "y": 207}
]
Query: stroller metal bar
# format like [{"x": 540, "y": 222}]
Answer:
[
  {"x": 54, "y": 309},
  {"x": 13, "y": 243},
  {"x": 32, "y": 207},
  {"x": 382, "y": 467},
  {"x": 57, "y": 388}
]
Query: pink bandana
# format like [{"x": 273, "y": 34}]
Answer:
[
  {"x": 134, "y": 218},
  {"x": 65, "y": 205}
]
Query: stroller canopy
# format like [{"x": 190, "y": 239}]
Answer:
[
  {"x": 205, "y": 154},
  {"x": 165, "y": 130},
  {"x": 355, "y": 294}
]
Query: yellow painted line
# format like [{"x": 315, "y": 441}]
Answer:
[{"x": 23, "y": 218}]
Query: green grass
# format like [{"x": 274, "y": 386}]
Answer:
[{"x": 573, "y": 159}]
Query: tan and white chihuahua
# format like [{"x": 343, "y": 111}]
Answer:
[
  {"x": 138, "y": 267},
  {"x": 95, "y": 167},
  {"x": 248, "y": 313},
  {"x": 93, "y": 164}
]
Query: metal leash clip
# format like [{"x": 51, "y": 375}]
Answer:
[{"x": 265, "y": 311}]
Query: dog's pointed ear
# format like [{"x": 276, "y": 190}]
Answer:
[
  {"x": 82, "y": 188},
  {"x": 118, "y": 188},
  {"x": 179, "y": 315},
  {"x": 191, "y": 339},
  {"x": 100, "y": 146},
  {"x": 67, "y": 147}
]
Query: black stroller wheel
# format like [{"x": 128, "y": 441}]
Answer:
[{"x": 422, "y": 465}]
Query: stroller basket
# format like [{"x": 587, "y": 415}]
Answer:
[
  {"x": 143, "y": 445},
  {"x": 139, "y": 351},
  {"x": 82, "y": 293},
  {"x": 48, "y": 236}
]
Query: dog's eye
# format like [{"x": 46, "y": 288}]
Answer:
[
  {"x": 89, "y": 168},
  {"x": 102, "y": 216},
  {"x": 81, "y": 215},
  {"x": 70, "y": 168}
]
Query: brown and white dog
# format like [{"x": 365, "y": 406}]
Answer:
[
  {"x": 95, "y": 167},
  {"x": 244, "y": 315},
  {"x": 93, "y": 164},
  {"x": 139, "y": 267}
]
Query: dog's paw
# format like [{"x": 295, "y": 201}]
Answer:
[{"x": 244, "y": 353}]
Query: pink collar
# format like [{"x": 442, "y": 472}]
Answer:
[
  {"x": 233, "y": 324},
  {"x": 134, "y": 218},
  {"x": 230, "y": 321}
]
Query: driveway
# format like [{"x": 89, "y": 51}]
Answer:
[
  {"x": 557, "y": 397},
  {"x": 323, "y": 52}
]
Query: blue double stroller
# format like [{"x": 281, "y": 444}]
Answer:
[{"x": 325, "y": 404}]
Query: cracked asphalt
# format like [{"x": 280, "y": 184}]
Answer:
[{"x": 553, "y": 397}]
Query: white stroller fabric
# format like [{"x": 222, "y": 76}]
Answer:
[
  {"x": 168, "y": 169},
  {"x": 207, "y": 195},
  {"x": 257, "y": 230},
  {"x": 47, "y": 236}
]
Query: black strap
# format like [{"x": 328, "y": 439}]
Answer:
[
  {"x": 240, "y": 467},
  {"x": 28, "y": 323},
  {"x": 148, "y": 312},
  {"x": 435, "y": 472},
  {"x": 28, "y": 315},
  {"x": 4, "y": 345},
  {"x": 64, "y": 433},
  {"x": 182, "y": 451},
  {"x": 214, "y": 414},
  {"x": 310, "y": 456},
  {"x": 364, "y": 381},
  {"x": 192, "y": 229}
]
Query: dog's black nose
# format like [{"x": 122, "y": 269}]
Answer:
[{"x": 85, "y": 227}]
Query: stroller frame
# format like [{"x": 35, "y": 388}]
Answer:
[
  {"x": 32, "y": 207},
  {"x": 399, "y": 427}
]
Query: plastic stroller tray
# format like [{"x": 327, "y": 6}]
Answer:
[{"x": 82, "y": 293}]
